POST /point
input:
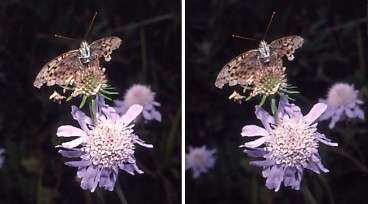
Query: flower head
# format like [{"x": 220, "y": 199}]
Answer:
[
  {"x": 89, "y": 81},
  {"x": 264, "y": 82},
  {"x": 142, "y": 95},
  {"x": 104, "y": 145},
  {"x": 269, "y": 80},
  {"x": 2, "y": 150},
  {"x": 342, "y": 102},
  {"x": 199, "y": 159},
  {"x": 288, "y": 146}
]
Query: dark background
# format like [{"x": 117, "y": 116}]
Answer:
[
  {"x": 150, "y": 54},
  {"x": 335, "y": 50}
]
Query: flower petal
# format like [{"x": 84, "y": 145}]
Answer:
[
  {"x": 256, "y": 143},
  {"x": 265, "y": 118},
  {"x": 71, "y": 154},
  {"x": 108, "y": 178},
  {"x": 81, "y": 117},
  {"x": 254, "y": 130},
  {"x": 316, "y": 111},
  {"x": 263, "y": 163},
  {"x": 257, "y": 152},
  {"x": 82, "y": 163},
  {"x": 90, "y": 177},
  {"x": 157, "y": 115},
  {"x": 131, "y": 114},
  {"x": 69, "y": 131},
  {"x": 274, "y": 176},
  {"x": 74, "y": 142}
]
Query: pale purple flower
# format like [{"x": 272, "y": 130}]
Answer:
[
  {"x": 199, "y": 159},
  {"x": 342, "y": 102},
  {"x": 288, "y": 146},
  {"x": 104, "y": 145},
  {"x": 142, "y": 95},
  {"x": 2, "y": 150}
]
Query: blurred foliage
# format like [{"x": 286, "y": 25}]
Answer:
[
  {"x": 33, "y": 171},
  {"x": 335, "y": 50}
]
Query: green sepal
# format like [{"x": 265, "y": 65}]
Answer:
[
  {"x": 263, "y": 100},
  {"x": 109, "y": 92},
  {"x": 69, "y": 98},
  {"x": 84, "y": 99},
  {"x": 273, "y": 106},
  {"x": 104, "y": 96}
]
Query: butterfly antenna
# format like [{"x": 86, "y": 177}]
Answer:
[
  {"x": 67, "y": 38},
  {"x": 269, "y": 24},
  {"x": 245, "y": 38},
  {"x": 90, "y": 25}
]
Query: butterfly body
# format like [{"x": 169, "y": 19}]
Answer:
[
  {"x": 85, "y": 52},
  {"x": 264, "y": 52},
  {"x": 62, "y": 69},
  {"x": 240, "y": 70}
]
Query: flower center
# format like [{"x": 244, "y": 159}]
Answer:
[
  {"x": 109, "y": 144},
  {"x": 89, "y": 81},
  {"x": 199, "y": 158},
  {"x": 292, "y": 142},
  {"x": 341, "y": 94},
  {"x": 139, "y": 94},
  {"x": 269, "y": 80}
]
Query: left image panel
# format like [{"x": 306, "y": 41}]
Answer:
[{"x": 91, "y": 107}]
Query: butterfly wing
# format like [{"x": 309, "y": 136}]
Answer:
[
  {"x": 239, "y": 70},
  {"x": 286, "y": 46},
  {"x": 58, "y": 70},
  {"x": 105, "y": 46}
]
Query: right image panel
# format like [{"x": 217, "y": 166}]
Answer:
[{"x": 275, "y": 99}]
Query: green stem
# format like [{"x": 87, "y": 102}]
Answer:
[
  {"x": 92, "y": 110},
  {"x": 120, "y": 193},
  {"x": 324, "y": 183},
  {"x": 274, "y": 109},
  {"x": 307, "y": 194}
]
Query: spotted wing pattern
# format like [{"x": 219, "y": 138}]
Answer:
[
  {"x": 286, "y": 46},
  {"x": 238, "y": 70},
  {"x": 58, "y": 70},
  {"x": 104, "y": 47},
  {"x": 61, "y": 69},
  {"x": 241, "y": 69}
]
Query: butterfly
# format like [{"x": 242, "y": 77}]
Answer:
[
  {"x": 62, "y": 69},
  {"x": 241, "y": 69}
]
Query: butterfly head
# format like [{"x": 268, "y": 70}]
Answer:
[
  {"x": 85, "y": 52},
  {"x": 264, "y": 51}
]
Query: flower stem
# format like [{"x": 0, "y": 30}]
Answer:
[
  {"x": 92, "y": 110},
  {"x": 307, "y": 194},
  {"x": 274, "y": 109},
  {"x": 120, "y": 194}
]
